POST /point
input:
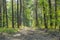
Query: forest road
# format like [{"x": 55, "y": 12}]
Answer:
[{"x": 30, "y": 35}]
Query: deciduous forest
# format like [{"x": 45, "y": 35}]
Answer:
[{"x": 29, "y": 19}]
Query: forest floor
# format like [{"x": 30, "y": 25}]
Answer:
[{"x": 30, "y": 34}]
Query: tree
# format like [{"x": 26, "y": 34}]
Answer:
[
  {"x": 56, "y": 14},
  {"x": 20, "y": 22},
  {"x": 44, "y": 13},
  {"x": 12, "y": 15},
  {"x": 50, "y": 13},
  {"x": 5, "y": 17},
  {"x": 0, "y": 13},
  {"x": 6, "y": 14},
  {"x": 18, "y": 13},
  {"x": 36, "y": 4},
  {"x": 27, "y": 13}
]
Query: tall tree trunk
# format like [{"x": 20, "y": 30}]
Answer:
[
  {"x": 0, "y": 14},
  {"x": 6, "y": 14},
  {"x": 18, "y": 13},
  {"x": 23, "y": 12},
  {"x": 20, "y": 22},
  {"x": 36, "y": 3},
  {"x": 50, "y": 13},
  {"x": 12, "y": 15},
  {"x": 56, "y": 14},
  {"x": 45, "y": 19},
  {"x": 5, "y": 17}
]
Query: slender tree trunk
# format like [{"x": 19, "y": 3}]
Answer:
[
  {"x": 20, "y": 22},
  {"x": 56, "y": 14},
  {"x": 12, "y": 15},
  {"x": 0, "y": 15},
  {"x": 3, "y": 13},
  {"x": 6, "y": 14},
  {"x": 45, "y": 19},
  {"x": 36, "y": 3},
  {"x": 18, "y": 13},
  {"x": 23, "y": 12},
  {"x": 5, "y": 17},
  {"x": 50, "y": 13}
]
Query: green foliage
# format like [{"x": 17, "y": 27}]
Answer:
[
  {"x": 28, "y": 16},
  {"x": 8, "y": 30}
]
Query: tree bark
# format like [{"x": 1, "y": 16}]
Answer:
[
  {"x": 56, "y": 14},
  {"x": 45, "y": 19},
  {"x": 20, "y": 22},
  {"x": 17, "y": 13},
  {"x": 0, "y": 14},
  {"x": 36, "y": 4},
  {"x": 12, "y": 15},
  {"x": 6, "y": 14},
  {"x": 50, "y": 13},
  {"x": 5, "y": 17}
]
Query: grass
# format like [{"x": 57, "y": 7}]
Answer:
[
  {"x": 8, "y": 30},
  {"x": 11, "y": 30}
]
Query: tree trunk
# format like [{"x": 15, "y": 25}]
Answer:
[
  {"x": 20, "y": 22},
  {"x": 0, "y": 14},
  {"x": 5, "y": 17},
  {"x": 23, "y": 12},
  {"x": 17, "y": 13},
  {"x": 45, "y": 19},
  {"x": 12, "y": 15},
  {"x": 56, "y": 14},
  {"x": 50, "y": 13},
  {"x": 6, "y": 14},
  {"x": 36, "y": 4}
]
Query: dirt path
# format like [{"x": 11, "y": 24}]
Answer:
[{"x": 30, "y": 35}]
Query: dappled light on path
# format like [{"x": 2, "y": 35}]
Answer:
[{"x": 30, "y": 34}]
